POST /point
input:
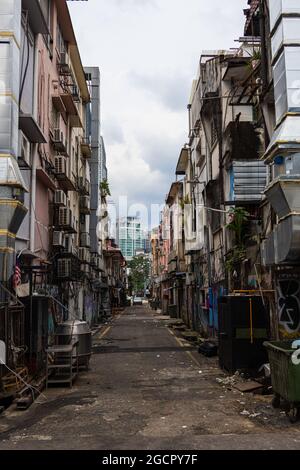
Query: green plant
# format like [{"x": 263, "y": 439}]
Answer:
[
  {"x": 237, "y": 255},
  {"x": 256, "y": 54},
  {"x": 239, "y": 217},
  {"x": 104, "y": 188},
  {"x": 184, "y": 201},
  {"x": 139, "y": 272},
  {"x": 254, "y": 59}
]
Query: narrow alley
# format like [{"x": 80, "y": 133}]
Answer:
[{"x": 146, "y": 389}]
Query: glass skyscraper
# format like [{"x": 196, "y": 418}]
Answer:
[{"x": 130, "y": 236}]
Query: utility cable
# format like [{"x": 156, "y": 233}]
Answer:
[
  {"x": 31, "y": 387},
  {"x": 27, "y": 60}
]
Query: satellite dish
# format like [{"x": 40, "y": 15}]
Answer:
[{"x": 2, "y": 353}]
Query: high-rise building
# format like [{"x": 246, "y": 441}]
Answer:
[
  {"x": 130, "y": 236},
  {"x": 102, "y": 166},
  {"x": 147, "y": 242}
]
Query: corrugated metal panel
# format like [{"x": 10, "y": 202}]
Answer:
[
  {"x": 248, "y": 180},
  {"x": 10, "y": 22}
]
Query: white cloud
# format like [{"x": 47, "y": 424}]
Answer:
[{"x": 148, "y": 58}]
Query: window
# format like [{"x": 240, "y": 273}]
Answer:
[
  {"x": 214, "y": 134},
  {"x": 61, "y": 45}
]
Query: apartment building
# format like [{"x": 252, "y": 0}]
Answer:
[
  {"x": 52, "y": 208},
  {"x": 131, "y": 236}
]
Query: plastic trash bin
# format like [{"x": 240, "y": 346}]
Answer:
[{"x": 285, "y": 377}]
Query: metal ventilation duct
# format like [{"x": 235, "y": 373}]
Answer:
[
  {"x": 284, "y": 196},
  {"x": 282, "y": 246},
  {"x": 286, "y": 138},
  {"x": 287, "y": 241},
  {"x": 268, "y": 251},
  {"x": 285, "y": 42},
  {"x": 248, "y": 180},
  {"x": 280, "y": 7},
  {"x": 284, "y": 149},
  {"x": 12, "y": 211},
  {"x": 10, "y": 32}
]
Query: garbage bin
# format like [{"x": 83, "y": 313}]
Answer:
[{"x": 285, "y": 377}]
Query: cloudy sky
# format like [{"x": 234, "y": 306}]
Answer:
[{"x": 148, "y": 53}]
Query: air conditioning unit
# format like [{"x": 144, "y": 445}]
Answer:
[
  {"x": 58, "y": 239},
  {"x": 94, "y": 257},
  {"x": 70, "y": 246},
  {"x": 98, "y": 263},
  {"x": 64, "y": 268},
  {"x": 60, "y": 198},
  {"x": 59, "y": 142},
  {"x": 84, "y": 255},
  {"x": 60, "y": 164},
  {"x": 85, "y": 269},
  {"x": 85, "y": 240},
  {"x": 23, "y": 151},
  {"x": 65, "y": 217},
  {"x": 64, "y": 58}
]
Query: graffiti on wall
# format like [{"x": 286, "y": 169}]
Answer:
[{"x": 288, "y": 291}]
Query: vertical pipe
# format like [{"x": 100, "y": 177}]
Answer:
[
  {"x": 33, "y": 199},
  {"x": 251, "y": 320}
]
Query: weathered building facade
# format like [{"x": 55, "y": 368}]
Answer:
[
  {"x": 52, "y": 205},
  {"x": 239, "y": 173}
]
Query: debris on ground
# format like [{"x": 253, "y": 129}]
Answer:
[
  {"x": 266, "y": 369},
  {"x": 248, "y": 386},
  {"x": 190, "y": 335},
  {"x": 229, "y": 380},
  {"x": 208, "y": 349}
]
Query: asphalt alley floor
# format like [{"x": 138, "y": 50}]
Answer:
[{"x": 147, "y": 389}]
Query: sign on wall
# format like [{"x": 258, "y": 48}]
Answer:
[
  {"x": 288, "y": 295},
  {"x": 2, "y": 353}
]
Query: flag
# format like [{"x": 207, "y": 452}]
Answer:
[{"x": 17, "y": 275}]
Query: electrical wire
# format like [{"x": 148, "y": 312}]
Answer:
[{"x": 27, "y": 61}]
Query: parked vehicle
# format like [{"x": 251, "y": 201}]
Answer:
[{"x": 137, "y": 301}]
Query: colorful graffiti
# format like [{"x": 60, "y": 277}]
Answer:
[{"x": 288, "y": 291}]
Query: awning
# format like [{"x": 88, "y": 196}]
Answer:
[
  {"x": 182, "y": 161},
  {"x": 43, "y": 176},
  {"x": 173, "y": 192},
  {"x": 31, "y": 129},
  {"x": 36, "y": 17}
]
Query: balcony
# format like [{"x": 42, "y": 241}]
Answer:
[
  {"x": 84, "y": 255},
  {"x": 85, "y": 240},
  {"x": 70, "y": 97},
  {"x": 68, "y": 269},
  {"x": 59, "y": 141},
  {"x": 66, "y": 220},
  {"x": 83, "y": 186},
  {"x": 172, "y": 262},
  {"x": 84, "y": 205},
  {"x": 63, "y": 64},
  {"x": 86, "y": 147},
  {"x": 62, "y": 174}
]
